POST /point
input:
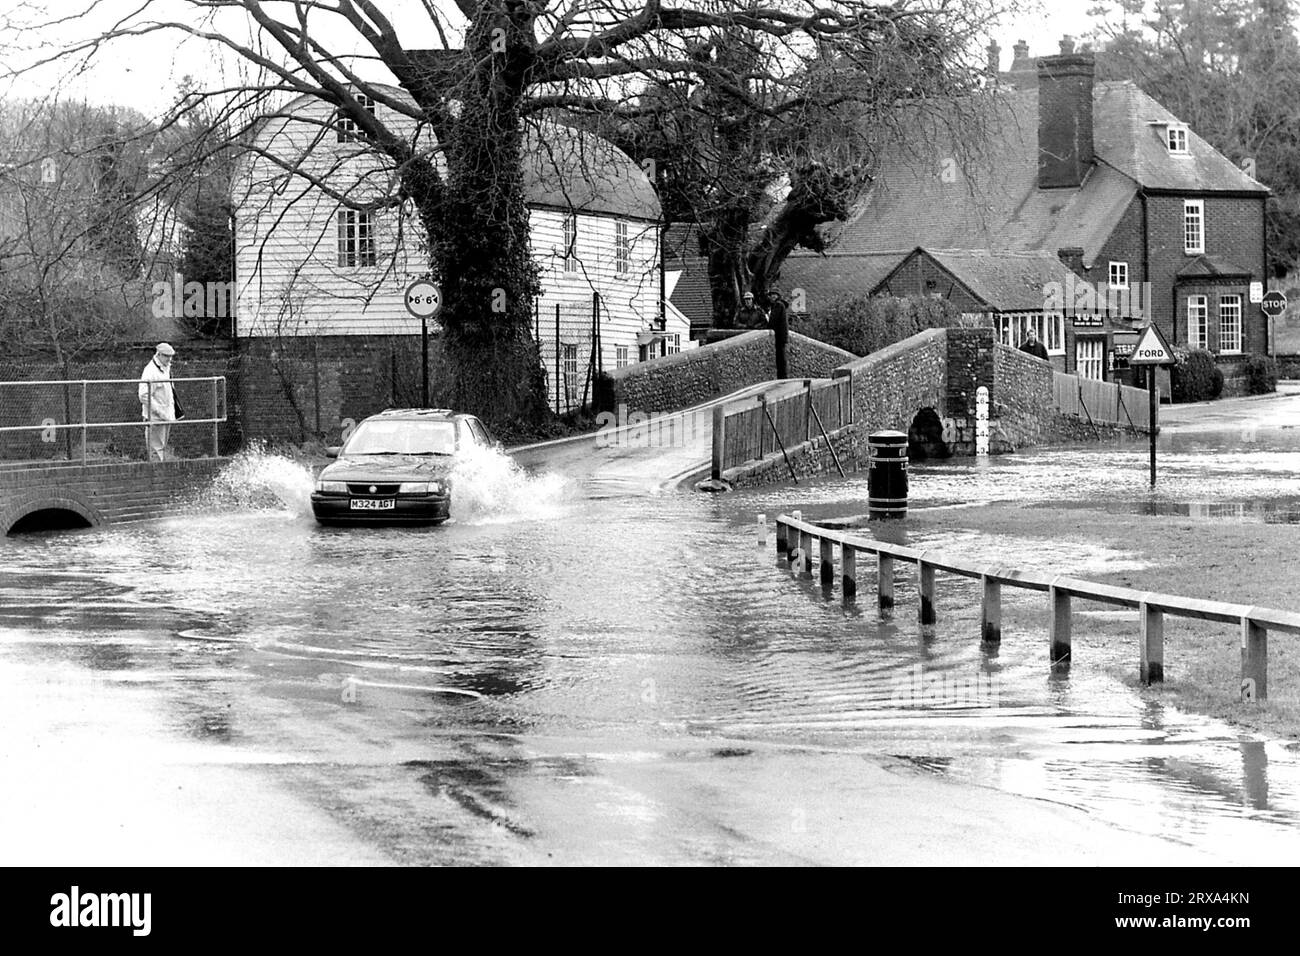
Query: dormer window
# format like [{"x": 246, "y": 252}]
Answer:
[
  {"x": 347, "y": 128},
  {"x": 1176, "y": 140}
]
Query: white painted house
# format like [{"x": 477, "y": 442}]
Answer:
[{"x": 306, "y": 264}]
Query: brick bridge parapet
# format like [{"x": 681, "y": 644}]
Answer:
[{"x": 103, "y": 493}]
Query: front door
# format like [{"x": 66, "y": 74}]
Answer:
[{"x": 1090, "y": 358}]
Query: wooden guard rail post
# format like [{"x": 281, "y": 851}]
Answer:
[
  {"x": 719, "y": 439},
  {"x": 829, "y": 444},
  {"x": 777, "y": 432},
  {"x": 789, "y": 410},
  {"x": 1152, "y": 607}
]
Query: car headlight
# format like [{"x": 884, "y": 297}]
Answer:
[
  {"x": 340, "y": 487},
  {"x": 419, "y": 488}
]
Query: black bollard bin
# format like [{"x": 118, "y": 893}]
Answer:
[{"x": 887, "y": 474}]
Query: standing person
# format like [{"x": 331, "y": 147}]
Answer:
[
  {"x": 778, "y": 317},
  {"x": 1033, "y": 346},
  {"x": 157, "y": 403},
  {"x": 750, "y": 315}
]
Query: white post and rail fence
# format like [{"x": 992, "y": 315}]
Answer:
[{"x": 794, "y": 540}]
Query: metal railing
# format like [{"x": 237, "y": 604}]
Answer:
[
  {"x": 780, "y": 418},
  {"x": 794, "y": 540},
  {"x": 44, "y": 416},
  {"x": 1098, "y": 401}
]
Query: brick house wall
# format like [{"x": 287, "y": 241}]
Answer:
[
  {"x": 919, "y": 275},
  {"x": 287, "y": 390},
  {"x": 295, "y": 389},
  {"x": 1234, "y": 231},
  {"x": 1123, "y": 245},
  {"x": 29, "y": 405}
]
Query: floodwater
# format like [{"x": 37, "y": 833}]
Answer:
[{"x": 541, "y": 669}]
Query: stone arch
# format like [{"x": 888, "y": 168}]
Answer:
[
  {"x": 66, "y": 509},
  {"x": 925, "y": 436}
]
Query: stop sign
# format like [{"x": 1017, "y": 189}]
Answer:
[{"x": 1273, "y": 303}]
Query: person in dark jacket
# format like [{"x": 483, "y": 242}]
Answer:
[
  {"x": 750, "y": 315},
  {"x": 778, "y": 319},
  {"x": 1033, "y": 346}
]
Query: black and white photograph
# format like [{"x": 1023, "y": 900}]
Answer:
[{"x": 651, "y": 433}]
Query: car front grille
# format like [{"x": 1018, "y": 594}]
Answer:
[{"x": 371, "y": 488}]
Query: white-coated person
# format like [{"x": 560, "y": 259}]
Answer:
[{"x": 157, "y": 403}]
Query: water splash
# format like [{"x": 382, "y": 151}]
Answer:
[
  {"x": 488, "y": 486},
  {"x": 257, "y": 479}
]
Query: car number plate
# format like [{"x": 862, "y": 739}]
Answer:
[{"x": 372, "y": 504}]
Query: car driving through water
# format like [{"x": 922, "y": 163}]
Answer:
[{"x": 396, "y": 467}]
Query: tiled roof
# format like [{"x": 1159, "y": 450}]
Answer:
[
  {"x": 562, "y": 166},
  {"x": 1129, "y": 132},
  {"x": 944, "y": 189},
  {"x": 1005, "y": 281},
  {"x": 824, "y": 279},
  {"x": 568, "y": 168},
  {"x": 691, "y": 294},
  {"x": 571, "y": 169},
  {"x": 1211, "y": 267},
  {"x": 681, "y": 241}
]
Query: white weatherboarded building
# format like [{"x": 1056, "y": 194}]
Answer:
[{"x": 307, "y": 264}]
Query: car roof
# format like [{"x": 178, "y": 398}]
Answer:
[{"x": 421, "y": 414}]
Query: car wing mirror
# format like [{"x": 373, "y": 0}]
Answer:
[{"x": 333, "y": 451}]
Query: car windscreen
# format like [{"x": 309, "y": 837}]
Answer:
[{"x": 402, "y": 438}]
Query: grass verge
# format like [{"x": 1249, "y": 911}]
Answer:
[{"x": 1239, "y": 562}]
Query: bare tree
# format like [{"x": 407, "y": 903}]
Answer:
[
  {"x": 504, "y": 64},
  {"x": 758, "y": 149},
  {"x": 69, "y": 251},
  {"x": 1231, "y": 69}
]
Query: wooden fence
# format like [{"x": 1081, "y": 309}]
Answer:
[
  {"x": 794, "y": 539},
  {"x": 1097, "y": 401},
  {"x": 778, "y": 419}
]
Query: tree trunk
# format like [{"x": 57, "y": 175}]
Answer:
[
  {"x": 478, "y": 226},
  {"x": 727, "y": 279}
]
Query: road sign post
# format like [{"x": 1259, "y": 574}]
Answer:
[
  {"x": 1151, "y": 418},
  {"x": 1273, "y": 305},
  {"x": 1153, "y": 352},
  {"x": 424, "y": 301}
]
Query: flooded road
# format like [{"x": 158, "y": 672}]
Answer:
[{"x": 571, "y": 672}]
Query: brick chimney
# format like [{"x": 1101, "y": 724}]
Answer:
[
  {"x": 1020, "y": 60},
  {"x": 1072, "y": 258},
  {"x": 1065, "y": 149},
  {"x": 995, "y": 57}
]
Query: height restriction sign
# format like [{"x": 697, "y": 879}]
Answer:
[{"x": 423, "y": 299}]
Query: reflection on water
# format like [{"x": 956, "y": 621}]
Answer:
[
  {"x": 538, "y": 613},
  {"x": 1281, "y": 510}
]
